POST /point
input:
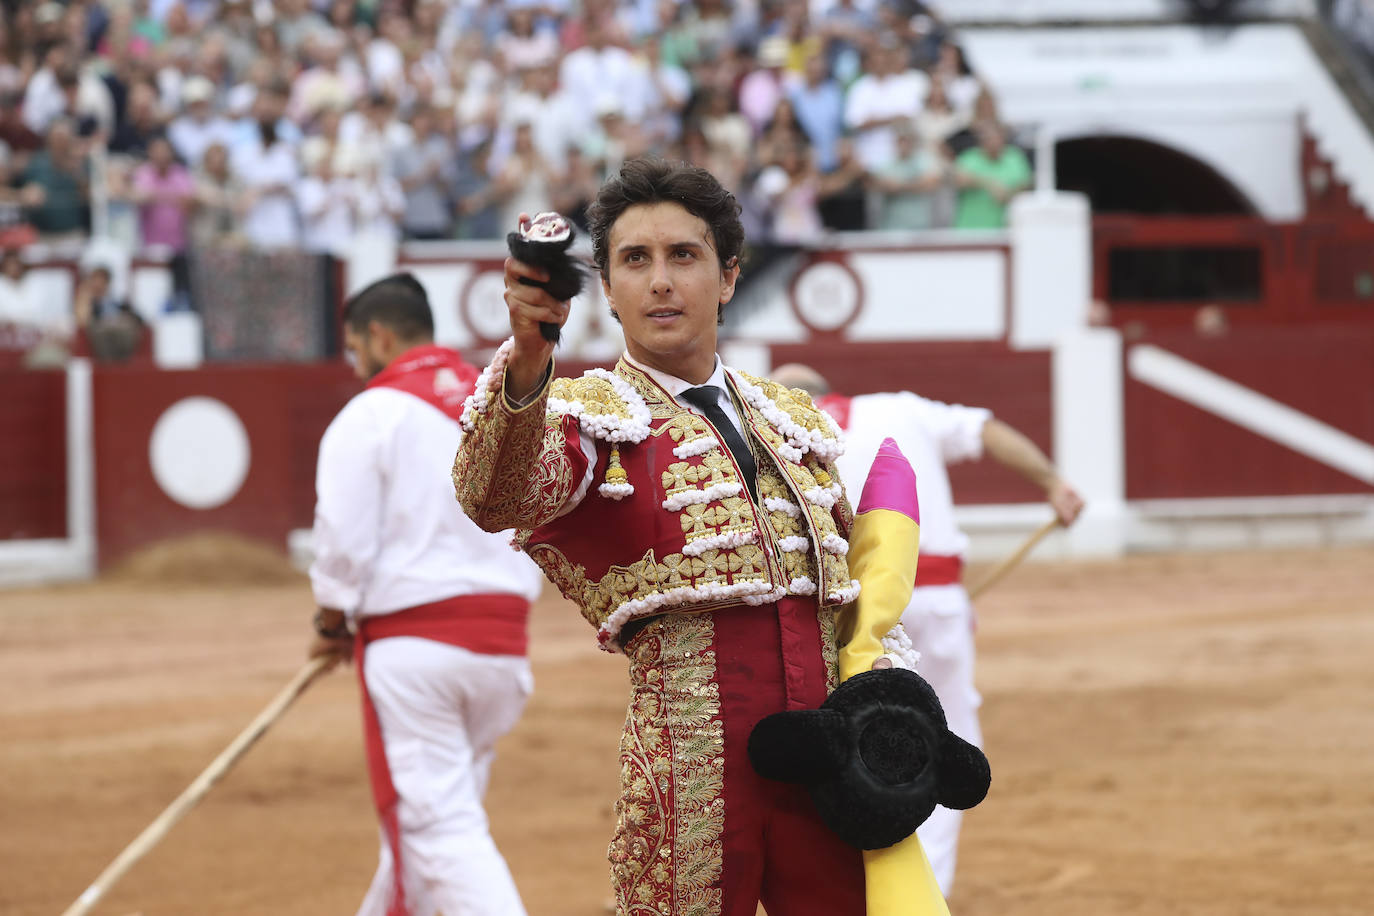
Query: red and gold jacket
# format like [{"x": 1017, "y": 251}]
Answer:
[{"x": 667, "y": 524}]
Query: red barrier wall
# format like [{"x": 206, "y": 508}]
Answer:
[
  {"x": 33, "y": 454},
  {"x": 1014, "y": 385},
  {"x": 1174, "y": 449},
  {"x": 284, "y": 409}
]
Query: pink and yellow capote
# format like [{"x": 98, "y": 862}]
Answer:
[{"x": 883, "y": 550}]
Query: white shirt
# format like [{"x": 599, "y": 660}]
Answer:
[
  {"x": 880, "y": 97},
  {"x": 271, "y": 221},
  {"x": 379, "y": 203},
  {"x": 191, "y": 138},
  {"x": 587, "y": 75},
  {"x": 674, "y": 386},
  {"x": 30, "y": 303},
  {"x": 386, "y": 65},
  {"x": 389, "y": 534},
  {"x": 44, "y": 101},
  {"x": 373, "y": 143},
  {"x": 931, "y": 434},
  {"x": 554, "y": 122},
  {"x": 326, "y": 214}
]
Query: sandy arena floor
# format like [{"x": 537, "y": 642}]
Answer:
[{"x": 1175, "y": 734}]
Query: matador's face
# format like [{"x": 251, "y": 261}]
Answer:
[{"x": 665, "y": 282}]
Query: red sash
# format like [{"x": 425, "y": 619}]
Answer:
[
  {"x": 432, "y": 373},
  {"x": 934, "y": 569},
  {"x": 487, "y": 624}
]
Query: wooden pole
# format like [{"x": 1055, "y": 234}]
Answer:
[
  {"x": 154, "y": 832},
  {"x": 1012, "y": 561}
]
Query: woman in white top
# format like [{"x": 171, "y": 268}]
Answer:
[
  {"x": 325, "y": 201},
  {"x": 378, "y": 201}
]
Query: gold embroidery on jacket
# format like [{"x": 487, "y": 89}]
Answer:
[
  {"x": 512, "y": 470},
  {"x": 515, "y": 469}
]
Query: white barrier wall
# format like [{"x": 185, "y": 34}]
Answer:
[
  {"x": 1052, "y": 269},
  {"x": 1090, "y": 436},
  {"x": 1023, "y": 286}
]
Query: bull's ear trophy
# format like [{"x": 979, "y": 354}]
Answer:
[{"x": 545, "y": 241}]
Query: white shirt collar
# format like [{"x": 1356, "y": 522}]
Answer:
[{"x": 674, "y": 385}]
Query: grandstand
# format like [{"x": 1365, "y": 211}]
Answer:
[{"x": 1180, "y": 265}]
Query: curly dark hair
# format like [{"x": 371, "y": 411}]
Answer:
[{"x": 649, "y": 180}]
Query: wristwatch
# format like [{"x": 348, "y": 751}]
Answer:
[{"x": 338, "y": 632}]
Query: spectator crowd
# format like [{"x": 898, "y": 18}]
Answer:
[{"x": 304, "y": 124}]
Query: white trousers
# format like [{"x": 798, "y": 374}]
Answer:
[
  {"x": 441, "y": 710},
  {"x": 939, "y": 621}
]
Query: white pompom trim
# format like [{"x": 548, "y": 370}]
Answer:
[
  {"x": 899, "y": 649},
  {"x": 833, "y": 543},
  {"x": 800, "y": 439},
  {"x": 698, "y": 446},
  {"x": 694, "y": 496},
  {"x": 748, "y": 592},
  {"x": 802, "y": 585},
  {"x": 488, "y": 385},
  {"x": 616, "y": 490},
  {"x": 785, "y": 506},
  {"x": 794, "y": 543},
  {"x": 845, "y": 595},
  {"x": 697, "y": 547},
  {"x": 825, "y": 497}
]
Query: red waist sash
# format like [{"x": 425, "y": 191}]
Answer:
[
  {"x": 934, "y": 569},
  {"x": 485, "y": 624}
]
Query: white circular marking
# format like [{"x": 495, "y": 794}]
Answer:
[
  {"x": 199, "y": 452},
  {"x": 484, "y": 306},
  {"x": 827, "y": 296}
]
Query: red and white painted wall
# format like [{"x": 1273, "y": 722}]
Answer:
[{"x": 1261, "y": 436}]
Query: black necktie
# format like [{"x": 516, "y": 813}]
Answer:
[{"x": 706, "y": 399}]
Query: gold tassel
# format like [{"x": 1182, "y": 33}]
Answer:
[{"x": 614, "y": 472}]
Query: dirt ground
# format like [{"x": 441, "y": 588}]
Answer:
[{"x": 1187, "y": 734}]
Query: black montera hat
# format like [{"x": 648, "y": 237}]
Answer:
[{"x": 877, "y": 757}]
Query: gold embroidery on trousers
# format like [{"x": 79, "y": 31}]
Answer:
[{"x": 667, "y": 854}]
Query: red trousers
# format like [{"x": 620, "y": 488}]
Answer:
[{"x": 697, "y": 829}]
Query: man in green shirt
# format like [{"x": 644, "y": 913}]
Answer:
[
  {"x": 988, "y": 176},
  {"x": 56, "y": 184}
]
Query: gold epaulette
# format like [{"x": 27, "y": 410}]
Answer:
[
  {"x": 797, "y": 404},
  {"x": 604, "y": 404}
]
